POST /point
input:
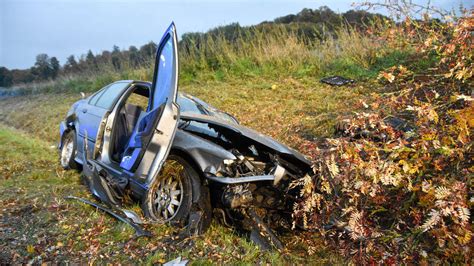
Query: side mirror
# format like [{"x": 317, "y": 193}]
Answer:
[{"x": 83, "y": 95}]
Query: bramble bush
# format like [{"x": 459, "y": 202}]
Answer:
[{"x": 396, "y": 185}]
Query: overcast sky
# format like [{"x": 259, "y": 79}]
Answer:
[{"x": 61, "y": 28}]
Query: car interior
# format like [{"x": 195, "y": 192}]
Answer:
[
  {"x": 129, "y": 114},
  {"x": 135, "y": 107}
]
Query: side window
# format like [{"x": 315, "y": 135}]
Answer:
[
  {"x": 165, "y": 72},
  {"x": 110, "y": 94},
  {"x": 96, "y": 96}
]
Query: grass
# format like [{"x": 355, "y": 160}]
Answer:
[
  {"x": 38, "y": 225},
  {"x": 289, "y": 109}
]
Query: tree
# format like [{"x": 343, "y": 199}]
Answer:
[
  {"x": 45, "y": 67},
  {"x": 91, "y": 61},
  {"x": 105, "y": 58},
  {"x": 42, "y": 68},
  {"x": 148, "y": 51},
  {"x": 133, "y": 56},
  {"x": 6, "y": 79},
  {"x": 286, "y": 19},
  {"x": 54, "y": 64},
  {"x": 71, "y": 65},
  {"x": 22, "y": 76},
  {"x": 116, "y": 58},
  {"x": 361, "y": 17}
]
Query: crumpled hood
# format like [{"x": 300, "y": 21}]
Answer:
[{"x": 249, "y": 133}]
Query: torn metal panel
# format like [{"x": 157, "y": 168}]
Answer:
[
  {"x": 105, "y": 186},
  {"x": 139, "y": 232},
  {"x": 279, "y": 173},
  {"x": 176, "y": 262},
  {"x": 239, "y": 180},
  {"x": 337, "y": 80},
  {"x": 262, "y": 234}
]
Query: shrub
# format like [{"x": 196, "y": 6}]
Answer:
[{"x": 397, "y": 185}]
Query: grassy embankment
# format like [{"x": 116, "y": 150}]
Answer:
[{"x": 270, "y": 84}]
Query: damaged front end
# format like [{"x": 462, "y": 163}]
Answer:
[
  {"x": 250, "y": 189},
  {"x": 255, "y": 196}
]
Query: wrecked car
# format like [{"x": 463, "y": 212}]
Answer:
[{"x": 182, "y": 159}]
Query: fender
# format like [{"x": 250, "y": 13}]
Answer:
[
  {"x": 66, "y": 125},
  {"x": 205, "y": 154}
]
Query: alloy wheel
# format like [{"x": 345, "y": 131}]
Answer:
[{"x": 168, "y": 195}]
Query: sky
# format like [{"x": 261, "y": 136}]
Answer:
[{"x": 72, "y": 27}]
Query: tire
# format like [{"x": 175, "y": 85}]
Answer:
[
  {"x": 161, "y": 201},
  {"x": 68, "y": 151}
]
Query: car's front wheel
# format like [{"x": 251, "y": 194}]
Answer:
[
  {"x": 170, "y": 197},
  {"x": 68, "y": 150}
]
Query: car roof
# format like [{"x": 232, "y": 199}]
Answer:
[
  {"x": 139, "y": 81},
  {"x": 134, "y": 81}
]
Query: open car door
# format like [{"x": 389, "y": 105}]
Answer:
[{"x": 153, "y": 135}]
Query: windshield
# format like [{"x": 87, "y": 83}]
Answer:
[{"x": 193, "y": 105}]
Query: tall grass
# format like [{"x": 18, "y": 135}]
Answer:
[
  {"x": 253, "y": 52},
  {"x": 277, "y": 51}
]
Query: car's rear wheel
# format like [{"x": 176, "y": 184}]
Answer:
[
  {"x": 170, "y": 198},
  {"x": 68, "y": 151}
]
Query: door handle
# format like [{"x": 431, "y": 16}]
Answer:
[{"x": 84, "y": 110}]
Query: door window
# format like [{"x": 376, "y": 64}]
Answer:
[
  {"x": 165, "y": 73},
  {"x": 109, "y": 95},
  {"x": 96, "y": 96}
]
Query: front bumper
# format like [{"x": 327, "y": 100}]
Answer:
[{"x": 276, "y": 176}]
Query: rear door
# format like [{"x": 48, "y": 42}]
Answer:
[
  {"x": 152, "y": 138},
  {"x": 92, "y": 115}
]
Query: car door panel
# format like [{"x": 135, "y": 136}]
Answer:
[
  {"x": 159, "y": 146},
  {"x": 88, "y": 124},
  {"x": 90, "y": 120},
  {"x": 151, "y": 139}
]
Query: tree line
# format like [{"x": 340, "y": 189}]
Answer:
[
  {"x": 49, "y": 68},
  {"x": 314, "y": 24}
]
